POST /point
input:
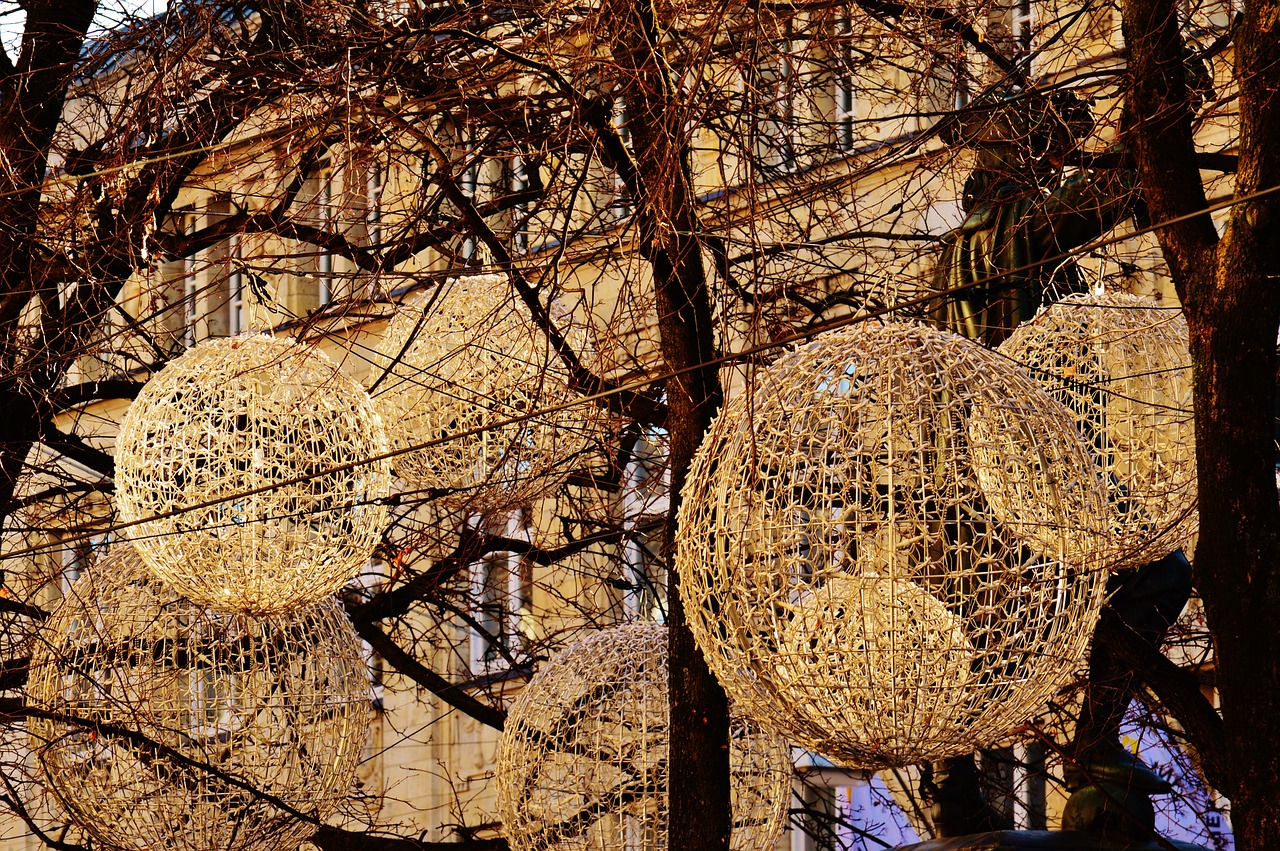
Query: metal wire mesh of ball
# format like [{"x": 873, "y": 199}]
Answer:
[
  {"x": 890, "y": 545},
  {"x": 1121, "y": 364},
  {"x": 158, "y": 724},
  {"x": 468, "y": 371},
  {"x": 244, "y": 468},
  {"x": 583, "y": 762}
]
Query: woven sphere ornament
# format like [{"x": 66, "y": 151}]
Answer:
[
  {"x": 583, "y": 760},
  {"x": 845, "y": 574},
  {"x": 462, "y": 369},
  {"x": 1121, "y": 365},
  {"x": 187, "y": 717},
  {"x": 242, "y": 465}
]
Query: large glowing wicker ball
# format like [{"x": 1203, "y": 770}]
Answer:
[
  {"x": 466, "y": 371},
  {"x": 1121, "y": 365},
  {"x": 583, "y": 760},
  {"x": 244, "y": 464},
  {"x": 165, "y": 725},
  {"x": 844, "y": 570}
]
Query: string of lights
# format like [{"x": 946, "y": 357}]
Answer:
[{"x": 740, "y": 356}]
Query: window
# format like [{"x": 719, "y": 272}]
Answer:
[
  {"x": 374, "y": 183},
  {"x": 211, "y": 692},
  {"x": 843, "y": 94},
  {"x": 844, "y": 809},
  {"x": 237, "y": 304},
  {"x": 470, "y": 185},
  {"x": 645, "y": 501},
  {"x": 1028, "y": 780},
  {"x": 78, "y": 556},
  {"x": 519, "y": 182},
  {"x": 318, "y": 199},
  {"x": 774, "y": 92},
  {"x": 621, "y": 207},
  {"x": 501, "y": 585},
  {"x": 179, "y": 284},
  {"x": 364, "y": 588},
  {"x": 1020, "y": 26}
]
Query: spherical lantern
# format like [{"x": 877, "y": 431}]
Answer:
[
  {"x": 583, "y": 759},
  {"x": 244, "y": 465},
  {"x": 460, "y": 369},
  {"x": 164, "y": 725},
  {"x": 844, "y": 570},
  {"x": 1121, "y": 365}
]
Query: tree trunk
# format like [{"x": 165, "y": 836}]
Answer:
[
  {"x": 1229, "y": 290},
  {"x": 700, "y": 817}
]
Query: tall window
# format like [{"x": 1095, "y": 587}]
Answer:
[
  {"x": 374, "y": 183},
  {"x": 237, "y": 303},
  {"x": 501, "y": 585},
  {"x": 775, "y": 107},
  {"x": 1021, "y": 22},
  {"x": 621, "y": 207},
  {"x": 519, "y": 182},
  {"x": 78, "y": 556},
  {"x": 844, "y": 95},
  {"x": 371, "y": 579},
  {"x": 470, "y": 185},
  {"x": 1029, "y": 787},
  {"x": 319, "y": 198},
  {"x": 211, "y": 694},
  {"x": 179, "y": 285},
  {"x": 645, "y": 501}
]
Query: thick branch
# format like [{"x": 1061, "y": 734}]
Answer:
[
  {"x": 1177, "y": 689},
  {"x": 1158, "y": 129},
  {"x": 337, "y": 839},
  {"x": 450, "y": 693},
  {"x": 94, "y": 391},
  {"x": 74, "y": 447}
]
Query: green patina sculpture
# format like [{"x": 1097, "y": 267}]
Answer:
[{"x": 1024, "y": 214}]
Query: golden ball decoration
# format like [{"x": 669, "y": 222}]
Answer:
[
  {"x": 460, "y": 369},
  {"x": 1120, "y": 363},
  {"x": 583, "y": 760},
  {"x": 852, "y": 629},
  {"x": 164, "y": 725},
  {"x": 844, "y": 570},
  {"x": 244, "y": 466}
]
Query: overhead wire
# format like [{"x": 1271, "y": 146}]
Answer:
[{"x": 739, "y": 356}]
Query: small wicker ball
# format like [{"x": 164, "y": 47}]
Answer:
[
  {"x": 456, "y": 364},
  {"x": 583, "y": 760},
  {"x": 230, "y": 417},
  {"x": 185, "y": 715},
  {"x": 1121, "y": 365},
  {"x": 844, "y": 570}
]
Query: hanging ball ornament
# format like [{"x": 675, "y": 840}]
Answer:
[
  {"x": 159, "y": 724},
  {"x": 844, "y": 571},
  {"x": 465, "y": 370},
  {"x": 583, "y": 760},
  {"x": 1120, "y": 363},
  {"x": 244, "y": 465}
]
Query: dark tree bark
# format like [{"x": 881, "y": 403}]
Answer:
[
  {"x": 337, "y": 839},
  {"x": 700, "y": 816},
  {"x": 1228, "y": 287}
]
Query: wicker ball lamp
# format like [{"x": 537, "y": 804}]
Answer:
[
  {"x": 583, "y": 759},
  {"x": 186, "y": 718},
  {"x": 1121, "y": 365},
  {"x": 242, "y": 464},
  {"x": 845, "y": 571},
  {"x": 458, "y": 369}
]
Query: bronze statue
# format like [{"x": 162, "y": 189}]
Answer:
[{"x": 1023, "y": 214}]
